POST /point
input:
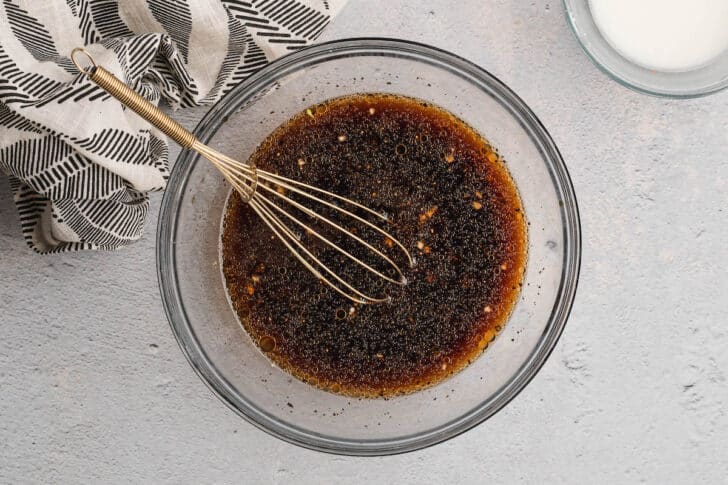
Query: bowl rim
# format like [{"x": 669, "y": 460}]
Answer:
[
  {"x": 615, "y": 76},
  {"x": 184, "y": 334}
]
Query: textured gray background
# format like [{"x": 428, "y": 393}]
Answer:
[{"x": 93, "y": 386}]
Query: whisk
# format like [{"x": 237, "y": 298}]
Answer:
[{"x": 265, "y": 192}]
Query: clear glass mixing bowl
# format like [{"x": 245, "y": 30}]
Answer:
[
  {"x": 702, "y": 81},
  {"x": 229, "y": 362}
]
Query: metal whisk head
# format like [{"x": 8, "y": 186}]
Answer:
[{"x": 266, "y": 193}]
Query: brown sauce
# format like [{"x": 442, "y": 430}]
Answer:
[{"x": 451, "y": 202}]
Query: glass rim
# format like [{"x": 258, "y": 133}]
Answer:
[
  {"x": 613, "y": 74},
  {"x": 214, "y": 118}
]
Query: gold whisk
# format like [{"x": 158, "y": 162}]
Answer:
[{"x": 265, "y": 192}]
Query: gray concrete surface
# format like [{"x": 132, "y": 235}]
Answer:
[{"x": 93, "y": 387}]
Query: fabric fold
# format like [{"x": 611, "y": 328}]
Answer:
[{"x": 80, "y": 165}]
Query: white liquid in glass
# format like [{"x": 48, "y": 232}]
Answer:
[{"x": 665, "y": 35}]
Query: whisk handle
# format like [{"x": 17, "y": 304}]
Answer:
[{"x": 132, "y": 100}]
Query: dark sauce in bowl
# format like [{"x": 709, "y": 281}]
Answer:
[{"x": 450, "y": 201}]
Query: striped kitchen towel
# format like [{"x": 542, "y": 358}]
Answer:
[{"x": 80, "y": 165}]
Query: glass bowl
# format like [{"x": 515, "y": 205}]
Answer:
[
  {"x": 229, "y": 362},
  {"x": 701, "y": 81}
]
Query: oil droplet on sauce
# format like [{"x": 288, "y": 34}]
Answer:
[{"x": 267, "y": 343}]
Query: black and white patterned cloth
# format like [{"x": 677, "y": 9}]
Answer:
[{"x": 80, "y": 165}]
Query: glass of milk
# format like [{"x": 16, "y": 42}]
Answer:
[{"x": 675, "y": 48}]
